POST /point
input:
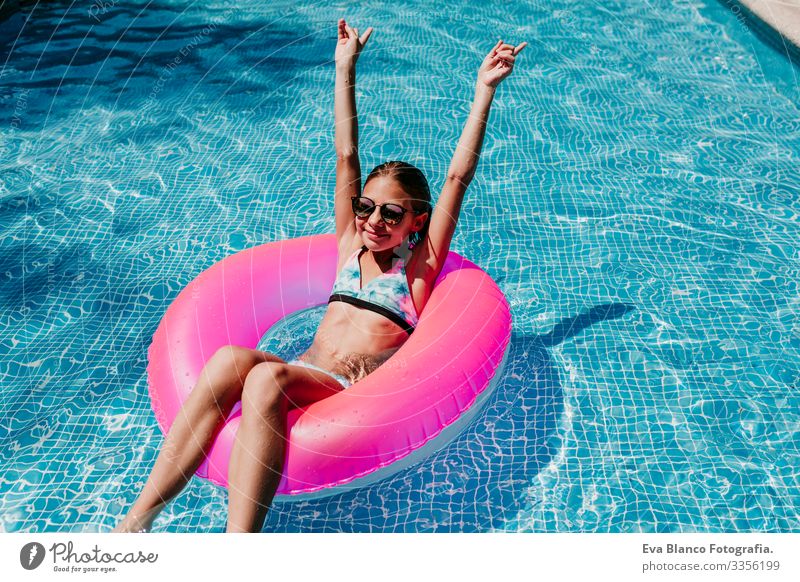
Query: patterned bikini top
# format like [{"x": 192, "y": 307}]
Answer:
[{"x": 387, "y": 294}]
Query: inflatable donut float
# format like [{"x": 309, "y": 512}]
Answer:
[{"x": 411, "y": 406}]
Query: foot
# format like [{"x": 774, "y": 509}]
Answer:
[
  {"x": 132, "y": 525},
  {"x": 120, "y": 529}
]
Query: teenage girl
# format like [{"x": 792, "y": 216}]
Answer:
[{"x": 392, "y": 245}]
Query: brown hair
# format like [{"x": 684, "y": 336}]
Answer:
[{"x": 414, "y": 184}]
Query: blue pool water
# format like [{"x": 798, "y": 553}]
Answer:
[{"x": 636, "y": 201}]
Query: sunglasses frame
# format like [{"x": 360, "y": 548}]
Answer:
[{"x": 381, "y": 207}]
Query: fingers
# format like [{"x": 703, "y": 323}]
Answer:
[
  {"x": 498, "y": 62},
  {"x": 506, "y": 56},
  {"x": 366, "y": 36},
  {"x": 501, "y": 46},
  {"x": 347, "y": 32}
]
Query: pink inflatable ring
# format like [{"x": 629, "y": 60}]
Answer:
[{"x": 414, "y": 404}]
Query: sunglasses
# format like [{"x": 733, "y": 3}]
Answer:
[{"x": 391, "y": 214}]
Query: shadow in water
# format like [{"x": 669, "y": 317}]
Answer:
[
  {"x": 568, "y": 327},
  {"x": 479, "y": 481}
]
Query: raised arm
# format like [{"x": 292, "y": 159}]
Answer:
[
  {"x": 496, "y": 66},
  {"x": 348, "y": 168}
]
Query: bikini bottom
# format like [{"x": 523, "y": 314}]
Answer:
[{"x": 338, "y": 377}]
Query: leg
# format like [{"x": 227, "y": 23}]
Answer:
[
  {"x": 193, "y": 431},
  {"x": 257, "y": 458}
]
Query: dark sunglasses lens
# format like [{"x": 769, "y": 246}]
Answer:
[
  {"x": 392, "y": 214},
  {"x": 362, "y": 207}
]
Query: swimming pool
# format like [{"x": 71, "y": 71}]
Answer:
[{"x": 637, "y": 202}]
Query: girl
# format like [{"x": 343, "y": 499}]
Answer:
[{"x": 392, "y": 245}]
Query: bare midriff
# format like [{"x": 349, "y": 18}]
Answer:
[{"x": 353, "y": 342}]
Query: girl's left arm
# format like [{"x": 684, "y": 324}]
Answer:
[{"x": 497, "y": 65}]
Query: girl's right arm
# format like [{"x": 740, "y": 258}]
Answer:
[{"x": 348, "y": 168}]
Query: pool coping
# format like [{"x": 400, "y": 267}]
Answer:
[{"x": 776, "y": 21}]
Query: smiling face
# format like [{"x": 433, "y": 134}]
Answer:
[{"x": 376, "y": 234}]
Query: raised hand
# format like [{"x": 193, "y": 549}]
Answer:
[
  {"x": 499, "y": 63},
  {"x": 350, "y": 44}
]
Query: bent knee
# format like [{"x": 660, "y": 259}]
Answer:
[
  {"x": 236, "y": 359},
  {"x": 264, "y": 386}
]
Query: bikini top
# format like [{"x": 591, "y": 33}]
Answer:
[{"x": 387, "y": 294}]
